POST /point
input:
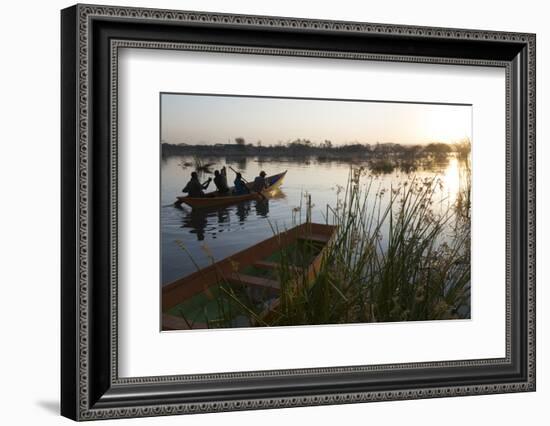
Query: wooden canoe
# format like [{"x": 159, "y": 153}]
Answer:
[
  {"x": 233, "y": 271},
  {"x": 214, "y": 199}
]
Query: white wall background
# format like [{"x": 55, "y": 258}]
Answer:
[{"x": 29, "y": 225}]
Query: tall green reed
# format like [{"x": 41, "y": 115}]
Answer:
[{"x": 397, "y": 257}]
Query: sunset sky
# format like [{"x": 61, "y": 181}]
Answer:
[{"x": 201, "y": 119}]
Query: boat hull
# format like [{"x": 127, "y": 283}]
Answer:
[
  {"x": 230, "y": 270},
  {"x": 213, "y": 199}
]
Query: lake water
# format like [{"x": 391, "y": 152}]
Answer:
[{"x": 191, "y": 238}]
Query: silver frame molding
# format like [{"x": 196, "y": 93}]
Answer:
[{"x": 91, "y": 388}]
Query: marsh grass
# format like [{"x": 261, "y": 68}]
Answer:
[
  {"x": 198, "y": 165},
  {"x": 401, "y": 254},
  {"x": 382, "y": 165}
]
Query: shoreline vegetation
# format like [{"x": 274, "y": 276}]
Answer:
[
  {"x": 393, "y": 259},
  {"x": 324, "y": 150},
  {"x": 381, "y": 158}
]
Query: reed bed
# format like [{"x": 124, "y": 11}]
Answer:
[{"x": 198, "y": 165}]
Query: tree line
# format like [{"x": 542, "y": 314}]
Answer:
[{"x": 305, "y": 147}]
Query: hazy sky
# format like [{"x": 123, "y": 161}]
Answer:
[{"x": 198, "y": 119}]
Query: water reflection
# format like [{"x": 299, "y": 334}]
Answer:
[
  {"x": 262, "y": 207},
  {"x": 214, "y": 221},
  {"x": 239, "y": 162},
  {"x": 242, "y": 211},
  {"x": 197, "y": 220}
]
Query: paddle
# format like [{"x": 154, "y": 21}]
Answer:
[{"x": 245, "y": 181}]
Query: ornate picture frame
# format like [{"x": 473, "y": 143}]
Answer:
[{"x": 91, "y": 38}]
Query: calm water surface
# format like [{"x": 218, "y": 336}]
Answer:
[{"x": 190, "y": 238}]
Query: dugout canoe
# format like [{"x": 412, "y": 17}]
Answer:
[
  {"x": 215, "y": 199},
  {"x": 254, "y": 268}
]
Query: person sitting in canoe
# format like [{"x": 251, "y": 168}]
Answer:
[
  {"x": 260, "y": 182},
  {"x": 220, "y": 180},
  {"x": 194, "y": 188},
  {"x": 240, "y": 186}
]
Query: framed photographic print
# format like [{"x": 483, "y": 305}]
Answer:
[{"x": 265, "y": 212}]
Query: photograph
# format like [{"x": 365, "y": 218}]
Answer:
[{"x": 279, "y": 211}]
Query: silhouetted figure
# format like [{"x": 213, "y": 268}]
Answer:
[
  {"x": 220, "y": 180},
  {"x": 194, "y": 188},
  {"x": 260, "y": 183},
  {"x": 240, "y": 186}
]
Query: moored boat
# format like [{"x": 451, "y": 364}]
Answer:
[
  {"x": 214, "y": 199},
  {"x": 254, "y": 269}
]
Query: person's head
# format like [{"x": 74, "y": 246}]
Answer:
[
  {"x": 216, "y": 173},
  {"x": 262, "y": 173},
  {"x": 194, "y": 175},
  {"x": 239, "y": 176}
]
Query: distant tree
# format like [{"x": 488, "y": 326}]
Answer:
[
  {"x": 355, "y": 147},
  {"x": 240, "y": 141},
  {"x": 411, "y": 151},
  {"x": 438, "y": 148},
  {"x": 300, "y": 145},
  {"x": 326, "y": 144},
  {"x": 384, "y": 148}
]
